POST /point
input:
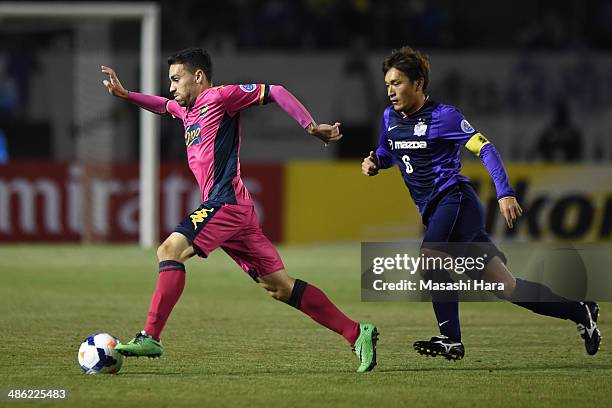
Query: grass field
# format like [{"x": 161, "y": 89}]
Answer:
[{"x": 229, "y": 344}]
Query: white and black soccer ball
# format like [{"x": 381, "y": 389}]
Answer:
[{"x": 97, "y": 354}]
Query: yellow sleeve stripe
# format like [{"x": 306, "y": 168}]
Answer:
[
  {"x": 476, "y": 143},
  {"x": 262, "y": 93}
]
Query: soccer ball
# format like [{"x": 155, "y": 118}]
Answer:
[{"x": 97, "y": 354}]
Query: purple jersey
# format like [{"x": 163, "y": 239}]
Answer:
[{"x": 425, "y": 146}]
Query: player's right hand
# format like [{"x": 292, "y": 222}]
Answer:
[
  {"x": 324, "y": 132},
  {"x": 113, "y": 85},
  {"x": 369, "y": 166}
]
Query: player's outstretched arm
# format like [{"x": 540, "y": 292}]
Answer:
[
  {"x": 155, "y": 104},
  {"x": 294, "y": 108},
  {"x": 370, "y": 165},
  {"x": 112, "y": 84}
]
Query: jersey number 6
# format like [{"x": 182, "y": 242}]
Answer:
[{"x": 406, "y": 161}]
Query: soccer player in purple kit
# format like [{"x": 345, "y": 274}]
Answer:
[
  {"x": 226, "y": 218},
  {"x": 422, "y": 137}
]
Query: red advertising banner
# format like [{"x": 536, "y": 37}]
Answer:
[{"x": 48, "y": 201}]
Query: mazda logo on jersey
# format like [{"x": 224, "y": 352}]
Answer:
[
  {"x": 407, "y": 144},
  {"x": 193, "y": 135}
]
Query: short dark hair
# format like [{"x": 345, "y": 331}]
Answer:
[
  {"x": 411, "y": 62},
  {"x": 193, "y": 58}
]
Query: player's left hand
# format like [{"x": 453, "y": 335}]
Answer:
[
  {"x": 325, "y": 133},
  {"x": 510, "y": 209}
]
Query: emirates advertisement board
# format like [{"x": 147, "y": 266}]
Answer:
[{"x": 48, "y": 201}]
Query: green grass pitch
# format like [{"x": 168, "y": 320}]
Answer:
[{"x": 229, "y": 344}]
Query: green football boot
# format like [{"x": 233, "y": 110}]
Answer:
[
  {"x": 141, "y": 346},
  {"x": 365, "y": 347}
]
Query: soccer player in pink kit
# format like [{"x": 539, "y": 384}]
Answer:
[{"x": 226, "y": 218}]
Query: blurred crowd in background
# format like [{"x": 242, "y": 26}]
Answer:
[
  {"x": 332, "y": 24},
  {"x": 577, "y": 34}
]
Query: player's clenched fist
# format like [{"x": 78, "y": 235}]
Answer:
[
  {"x": 369, "y": 166},
  {"x": 112, "y": 83}
]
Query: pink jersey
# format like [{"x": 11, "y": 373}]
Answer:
[{"x": 213, "y": 135}]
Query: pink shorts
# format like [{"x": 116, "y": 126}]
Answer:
[{"x": 234, "y": 228}]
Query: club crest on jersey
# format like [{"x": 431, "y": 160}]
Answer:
[
  {"x": 466, "y": 127},
  {"x": 203, "y": 110},
  {"x": 420, "y": 129},
  {"x": 193, "y": 135},
  {"x": 248, "y": 87}
]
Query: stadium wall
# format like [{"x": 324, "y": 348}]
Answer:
[
  {"x": 299, "y": 202},
  {"x": 561, "y": 202},
  {"x": 47, "y": 201}
]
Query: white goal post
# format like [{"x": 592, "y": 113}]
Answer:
[{"x": 149, "y": 16}]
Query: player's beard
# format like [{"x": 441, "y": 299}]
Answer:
[
  {"x": 180, "y": 100},
  {"x": 186, "y": 99}
]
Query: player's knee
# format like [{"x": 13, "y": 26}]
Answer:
[
  {"x": 429, "y": 260},
  {"x": 427, "y": 253},
  {"x": 168, "y": 251}
]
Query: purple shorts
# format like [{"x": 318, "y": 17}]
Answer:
[{"x": 234, "y": 228}]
